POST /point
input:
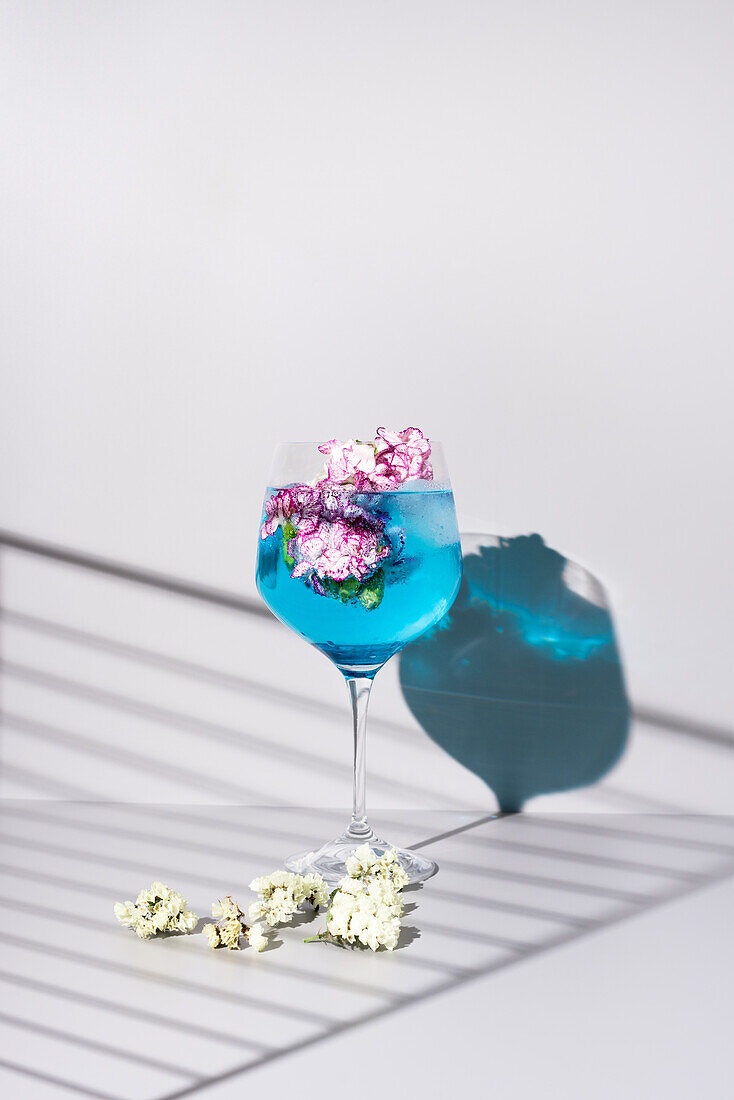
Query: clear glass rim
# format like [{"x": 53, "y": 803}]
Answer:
[{"x": 300, "y": 461}]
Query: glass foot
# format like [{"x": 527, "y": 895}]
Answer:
[{"x": 330, "y": 860}]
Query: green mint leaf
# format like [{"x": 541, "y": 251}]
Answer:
[
  {"x": 289, "y": 532},
  {"x": 345, "y": 590},
  {"x": 372, "y": 591}
]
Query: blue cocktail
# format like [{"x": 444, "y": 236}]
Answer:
[{"x": 413, "y": 589}]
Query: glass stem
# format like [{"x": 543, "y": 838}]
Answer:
[{"x": 359, "y": 692}]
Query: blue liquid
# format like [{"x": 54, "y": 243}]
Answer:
[{"x": 422, "y": 579}]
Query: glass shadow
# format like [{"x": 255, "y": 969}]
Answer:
[{"x": 521, "y": 681}]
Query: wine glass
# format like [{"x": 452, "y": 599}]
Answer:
[{"x": 358, "y": 570}]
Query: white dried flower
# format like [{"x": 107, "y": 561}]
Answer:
[
  {"x": 230, "y": 930},
  {"x": 187, "y": 921},
  {"x": 145, "y": 928},
  {"x": 257, "y": 938},
  {"x": 364, "y": 913},
  {"x": 212, "y": 934},
  {"x": 126, "y": 912},
  {"x": 361, "y": 860},
  {"x": 367, "y": 907},
  {"x": 365, "y": 862},
  {"x": 315, "y": 890},
  {"x": 283, "y": 892},
  {"x": 352, "y": 886},
  {"x": 158, "y": 909},
  {"x": 232, "y": 925}
]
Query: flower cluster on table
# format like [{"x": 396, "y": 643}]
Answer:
[
  {"x": 232, "y": 926},
  {"x": 367, "y": 906},
  {"x": 365, "y": 909},
  {"x": 282, "y": 894},
  {"x": 157, "y": 909}
]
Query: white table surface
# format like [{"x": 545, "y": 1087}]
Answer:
[{"x": 577, "y": 955}]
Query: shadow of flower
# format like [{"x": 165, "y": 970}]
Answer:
[{"x": 408, "y": 934}]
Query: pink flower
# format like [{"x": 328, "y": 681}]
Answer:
[
  {"x": 381, "y": 466},
  {"x": 400, "y": 456},
  {"x": 338, "y": 549},
  {"x": 328, "y": 533},
  {"x": 301, "y": 505},
  {"x": 344, "y": 460}
]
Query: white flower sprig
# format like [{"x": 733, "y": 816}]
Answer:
[
  {"x": 367, "y": 906},
  {"x": 158, "y": 909},
  {"x": 282, "y": 893},
  {"x": 232, "y": 925},
  {"x": 364, "y": 863}
]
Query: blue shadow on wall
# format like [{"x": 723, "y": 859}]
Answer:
[{"x": 521, "y": 681}]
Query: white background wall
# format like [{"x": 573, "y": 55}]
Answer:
[{"x": 226, "y": 224}]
